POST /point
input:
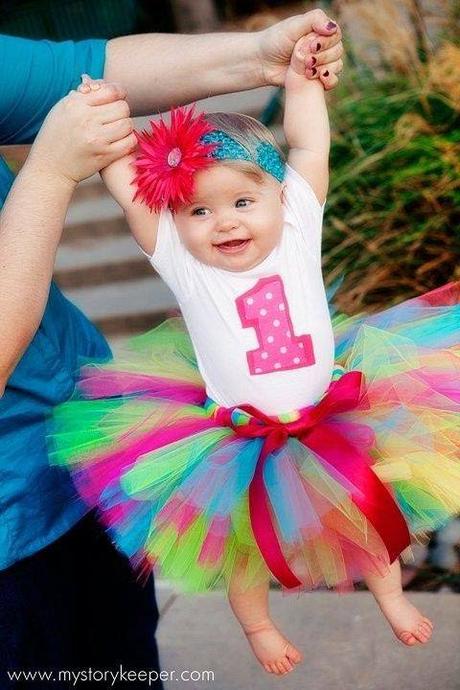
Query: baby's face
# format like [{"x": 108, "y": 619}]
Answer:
[{"x": 234, "y": 221}]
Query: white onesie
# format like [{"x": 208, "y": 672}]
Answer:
[{"x": 263, "y": 336}]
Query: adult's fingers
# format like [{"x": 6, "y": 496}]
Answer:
[
  {"x": 122, "y": 147},
  {"x": 325, "y": 57},
  {"x": 117, "y": 131},
  {"x": 318, "y": 43},
  {"x": 329, "y": 79},
  {"x": 332, "y": 67},
  {"x": 315, "y": 20},
  {"x": 111, "y": 112}
]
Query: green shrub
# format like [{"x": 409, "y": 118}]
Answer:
[{"x": 392, "y": 222}]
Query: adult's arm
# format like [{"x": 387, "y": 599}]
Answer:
[
  {"x": 162, "y": 70},
  {"x": 34, "y": 76},
  {"x": 81, "y": 134},
  {"x": 31, "y": 224}
]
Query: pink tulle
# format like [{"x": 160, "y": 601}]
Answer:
[{"x": 97, "y": 383}]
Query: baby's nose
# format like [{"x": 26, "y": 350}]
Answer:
[{"x": 228, "y": 222}]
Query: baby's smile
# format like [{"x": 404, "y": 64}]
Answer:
[
  {"x": 233, "y": 246},
  {"x": 235, "y": 219}
]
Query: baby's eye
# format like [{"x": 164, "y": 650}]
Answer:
[
  {"x": 200, "y": 211},
  {"x": 241, "y": 203}
]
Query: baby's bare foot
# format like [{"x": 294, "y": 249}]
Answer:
[
  {"x": 409, "y": 625},
  {"x": 275, "y": 653}
]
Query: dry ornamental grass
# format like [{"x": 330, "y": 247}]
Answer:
[{"x": 392, "y": 229}]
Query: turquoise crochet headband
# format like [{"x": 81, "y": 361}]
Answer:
[
  {"x": 171, "y": 154},
  {"x": 265, "y": 155}
]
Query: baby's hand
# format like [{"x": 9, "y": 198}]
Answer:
[
  {"x": 325, "y": 66},
  {"x": 85, "y": 132}
]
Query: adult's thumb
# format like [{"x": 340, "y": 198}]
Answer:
[{"x": 317, "y": 21}]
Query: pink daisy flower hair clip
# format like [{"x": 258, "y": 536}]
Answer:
[{"x": 168, "y": 157}]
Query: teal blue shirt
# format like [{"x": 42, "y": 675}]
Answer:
[{"x": 38, "y": 503}]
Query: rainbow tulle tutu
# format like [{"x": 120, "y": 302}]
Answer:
[{"x": 203, "y": 494}]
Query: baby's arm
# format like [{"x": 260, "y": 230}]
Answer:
[
  {"x": 118, "y": 177},
  {"x": 142, "y": 222},
  {"x": 306, "y": 125}
]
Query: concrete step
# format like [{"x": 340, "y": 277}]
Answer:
[
  {"x": 102, "y": 229},
  {"x": 101, "y": 208},
  {"x": 91, "y": 252},
  {"x": 130, "y": 324},
  {"x": 89, "y": 189},
  {"x": 346, "y": 642},
  {"x": 127, "y": 307},
  {"x": 91, "y": 260},
  {"x": 103, "y": 273},
  {"x": 142, "y": 296}
]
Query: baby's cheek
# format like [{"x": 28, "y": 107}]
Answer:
[
  {"x": 270, "y": 234},
  {"x": 200, "y": 247}
]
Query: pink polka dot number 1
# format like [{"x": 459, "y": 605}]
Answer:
[{"x": 264, "y": 308}]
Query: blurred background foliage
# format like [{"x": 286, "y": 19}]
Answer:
[{"x": 392, "y": 228}]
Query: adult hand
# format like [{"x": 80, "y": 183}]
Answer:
[
  {"x": 325, "y": 65},
  {"x": 83, "y": 133},
  {"x": 323, "y": 49}
]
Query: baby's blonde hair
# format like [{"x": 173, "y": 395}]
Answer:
[{"x": 249, "y": 133}]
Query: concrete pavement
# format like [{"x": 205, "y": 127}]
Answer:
[{"x": 346, "y": 642}]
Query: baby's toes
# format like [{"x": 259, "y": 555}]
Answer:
[
  {"x": 285, "y": 665},
  {"x": 280, "y": 668},
  {"x": 267, "y": 667},
  {"x": 274, "y": 668},
  {"x": 293, "y": 654},
  {"x": 408, "y": 638},
  {"x": 423, "y": 632}
]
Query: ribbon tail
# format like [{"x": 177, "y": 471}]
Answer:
[
  {"x": 262, "y": 527},
  {"x": 371, "y": 496}
]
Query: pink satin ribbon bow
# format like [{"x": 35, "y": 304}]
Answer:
[{"x": 331, "y": 444}]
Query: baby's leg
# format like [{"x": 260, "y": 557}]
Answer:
[
  {"x": 272, "y": 649},
  {"x": 408, "y": 624}
]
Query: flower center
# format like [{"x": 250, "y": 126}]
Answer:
[{"x": 174, "y": 157}]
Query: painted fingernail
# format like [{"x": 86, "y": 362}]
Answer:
[
  {"x": 314, "y": 71},
  {"x": 318, "y": 47},
  {"x": 331, "y": 25},
  {"x": 326, "y": 73},
  {"x": 312, "y": 61}
]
